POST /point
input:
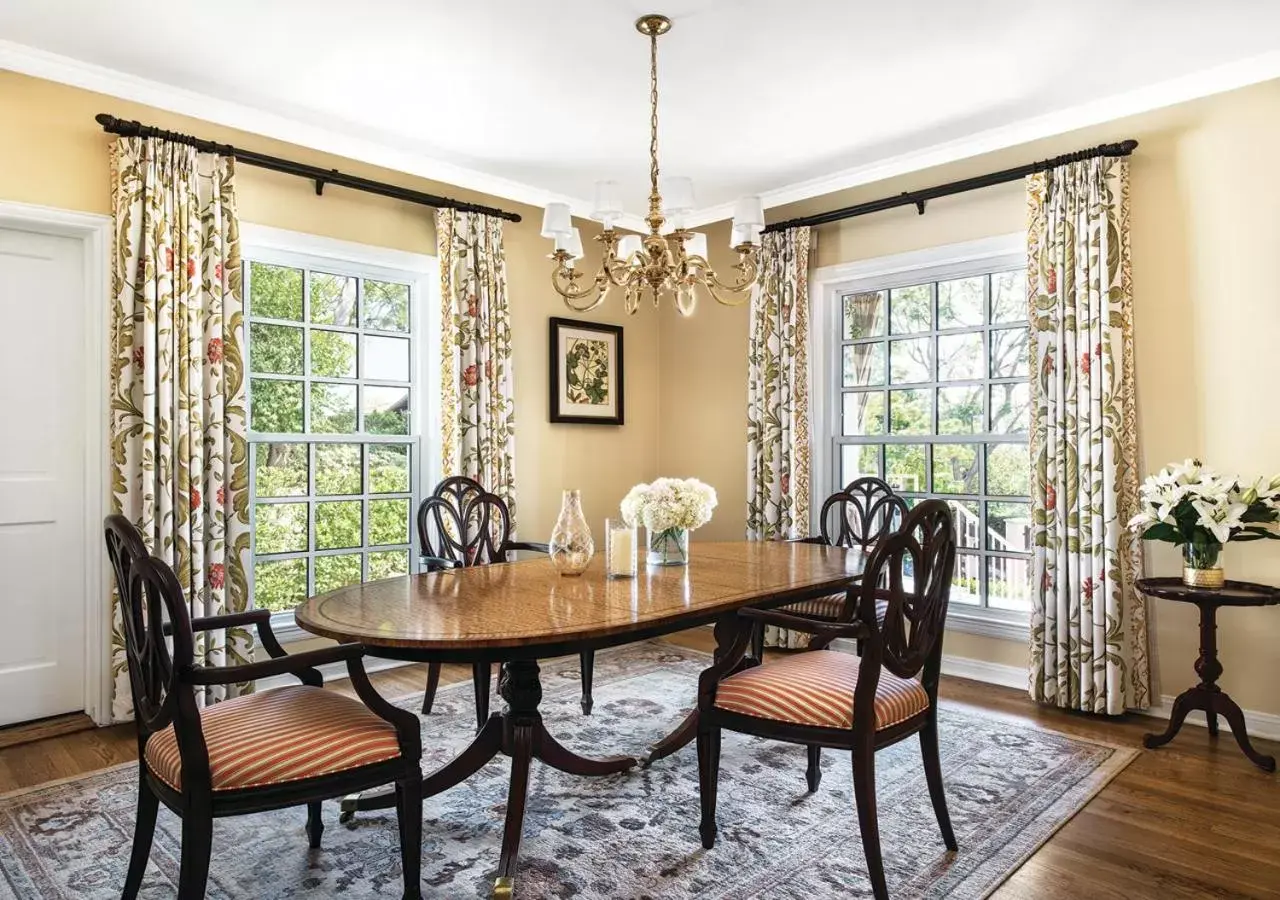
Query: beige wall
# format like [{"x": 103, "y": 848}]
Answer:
[
  {"x": 1205, "y": 235},
  {"x": 52, "y": 153}
]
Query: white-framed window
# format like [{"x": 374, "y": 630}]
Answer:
[
  {"x": 924, "y": 382},
  {"x": 339, "y": 391}
]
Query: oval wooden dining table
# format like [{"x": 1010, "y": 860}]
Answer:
[{"x": 520, "y": 612}]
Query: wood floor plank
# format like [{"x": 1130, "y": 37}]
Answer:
[
  {"x": 27, "y": 732},
  {"x": 1194, "y": 819}
]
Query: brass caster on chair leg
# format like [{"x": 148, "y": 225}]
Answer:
[{"x": 504, "y": 888}]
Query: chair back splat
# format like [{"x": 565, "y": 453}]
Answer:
[
  {"x": 861, "y": 514},
  {"x": 150, "y": 597},
  {"x": 915, "y": 565}
]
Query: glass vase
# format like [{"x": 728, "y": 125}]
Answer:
[
  {"x": 619, "y": 549},
  {"x": 668, "y": 548},
  {"x": 1200, "y": 568},
  {"x": 571, "y": 545}
]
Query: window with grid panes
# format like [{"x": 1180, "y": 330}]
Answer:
[
  {"x": 332, "y": 434},
  {"x": 935, "y": 399}
]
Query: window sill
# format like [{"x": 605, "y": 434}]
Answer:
[
  {"x": 288, "y": 632},
  {"x": 989, "y": 626}
]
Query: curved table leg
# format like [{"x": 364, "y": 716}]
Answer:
[
  {"x": 682, "y": 737},
  {"x": 558, "y": 756},
  {"x": 1235, "y": 718},
  {"x": 524, "y": 738},
  {"x": 1182, "y": 707}
]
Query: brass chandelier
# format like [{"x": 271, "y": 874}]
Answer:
[{"x": 675, "y": 262}]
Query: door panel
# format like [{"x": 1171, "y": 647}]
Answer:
[{"x": 42, "y": 484}]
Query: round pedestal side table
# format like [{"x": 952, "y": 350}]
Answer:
[{"x": 1206, "y": 695}]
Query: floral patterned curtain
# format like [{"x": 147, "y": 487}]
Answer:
[
  {"x": 478, "y": 415},
  {"x": 778, "y": 399},
  {"x": 1089, "y": 639},
  {"x": 179, "y": 463}
]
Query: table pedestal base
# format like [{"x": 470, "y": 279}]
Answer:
[
  {"x": 517, "y": 732},
  {"x": 1207, "y": 696},
  {"x": 1214, "y": 703}
]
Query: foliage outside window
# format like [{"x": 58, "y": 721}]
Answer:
[
  {"x": 935, "y": 399},
  {"x": 332, "y": 438}
]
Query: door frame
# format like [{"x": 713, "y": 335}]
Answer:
[{"x": 94, "y": 233}]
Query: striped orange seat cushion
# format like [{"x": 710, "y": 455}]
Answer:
[
  {"x": 829, "y": 607},
  {"x": 816, "y": 688},
  {"x": 286, "y": 734}
]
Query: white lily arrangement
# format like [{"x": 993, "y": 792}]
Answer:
[
  {"x": 669, "y": 504},
  {"x": 1190, "y": 505}
]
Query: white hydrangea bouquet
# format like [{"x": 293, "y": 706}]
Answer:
[
  {"x": 1194, "y": 508},
  {"x": 669, "y": 509}
]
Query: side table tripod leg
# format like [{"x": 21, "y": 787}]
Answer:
[
  {"x": 1235, "y": 718},
  {"x": 1211, "y": 719},
  {"x": 1181, "y": 708}
]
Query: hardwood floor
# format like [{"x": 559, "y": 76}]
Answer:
[{"x": 1192, "y": 819}]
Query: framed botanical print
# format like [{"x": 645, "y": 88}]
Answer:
[{"x": 586, "y": 372}]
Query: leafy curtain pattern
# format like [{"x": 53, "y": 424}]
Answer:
[
  {"x": 478, "y": 415},
  {"x": 1089, "y": 637},
  {"x": 778, "y": 399},
  {"x": 179, "y": 461}
]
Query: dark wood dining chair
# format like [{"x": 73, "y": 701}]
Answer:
[
  {"x": 292, "y": 746},
  {"x": 858, "y": 516},
  {"x": 829, "y": 698},
  {"x": 461, "y": 524}
]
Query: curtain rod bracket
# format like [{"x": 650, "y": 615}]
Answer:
[{"x": 920, "y": 207}]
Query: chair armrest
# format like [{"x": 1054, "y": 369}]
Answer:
[
  {"x": 257, "y": 617},
  {"x": 527, "y": 545},
  {"x": 438, "y": 563},
  {"x": 733, "y": 634},
  {"x": 800, "y": 623},
  {"x": 300, "y": 664},
  {"x": 229, "y": 620},
  {"x": 407, "y": 725}
]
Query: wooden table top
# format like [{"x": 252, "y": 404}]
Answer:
[
  {"x": 503, "y": 608},
  {"x": 1232, "y": 593}
]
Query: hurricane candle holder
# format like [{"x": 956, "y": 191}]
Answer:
[{"x": 619, "y": 549}]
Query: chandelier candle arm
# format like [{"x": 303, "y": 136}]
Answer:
[{"x": 675, "y": 263}]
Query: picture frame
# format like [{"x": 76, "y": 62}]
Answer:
[{"x": 586, "y": 373}]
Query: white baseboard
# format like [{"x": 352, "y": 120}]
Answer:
[
  {"x": 1258, "y": 724},
  {"x": 333, "y": 672},
  {"x": 988, "y": 672}
]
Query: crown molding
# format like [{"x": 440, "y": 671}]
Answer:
[
  {"x": 1216, "y": 80},
  {"x": 65, "y": 70},
  {"x": 37, "y": 63}
]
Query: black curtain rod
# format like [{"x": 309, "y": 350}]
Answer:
[
  {"x": 919, "y": 198},
  {"x": 321, "y": 177}
]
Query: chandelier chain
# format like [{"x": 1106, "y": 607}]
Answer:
[{"x": 653, "y": 121}]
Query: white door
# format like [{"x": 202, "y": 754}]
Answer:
[{"x": 42, "y": 479}]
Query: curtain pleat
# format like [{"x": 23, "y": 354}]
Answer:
[
  {"x": 179, "y": 461},
  {"x": 778, "y": 387},
  {"x": 478, "y": 416},
  {"x": 1089, "y": 635}
]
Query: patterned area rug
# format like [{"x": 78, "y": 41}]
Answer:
[{"x": 1009, "y": 787}]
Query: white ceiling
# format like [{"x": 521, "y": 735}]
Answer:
[{"x": 531, "y": 99}]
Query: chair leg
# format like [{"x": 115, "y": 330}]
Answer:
[
  {"x": 143, "y": 830},
  {"x": 197, "y": 844},
  {"x": 315, "y": 825},
  {"x": 587, "y": 663},
  {"x": 933, "y": 775},
  {"x": 757, "y": 642},
  {"x": 813, "y": 773},
  {"x": 433, "y": 682},
  {"x": 708, "y": 781},
  {"x": 864, "y": 792},
  {"x": 409, "y": 813},
  {"x": 480, "y": 675}
]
